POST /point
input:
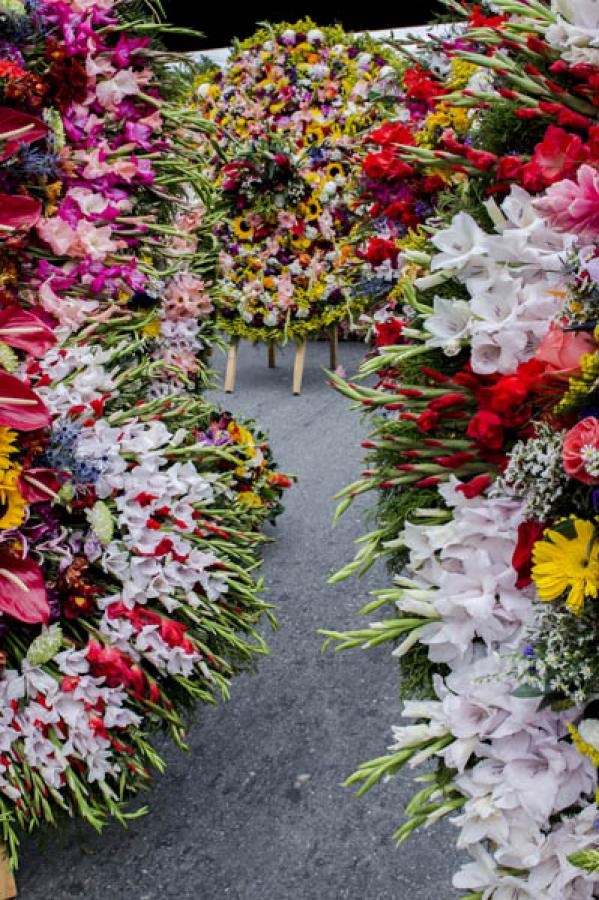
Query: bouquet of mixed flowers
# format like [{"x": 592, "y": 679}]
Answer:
[
  {"x": 288, "y": 113},
  {"x": 484, "y": 452},
  {"x": 130, "y": 507}
]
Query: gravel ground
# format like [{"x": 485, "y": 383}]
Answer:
[{"x": 256, "y": 811}]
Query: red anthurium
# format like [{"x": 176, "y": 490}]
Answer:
[
  {"x": 22, "y": 590},
  {"x": 20, "y": 408},
  {"x": 24, "y": 330},
  {"x": 38, "y": 485},
  {"x": 18, "y": 128},
  {"x": 18, "y": 213}
]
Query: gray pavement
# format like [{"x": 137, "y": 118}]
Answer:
[{"x": 256, "y": 811}]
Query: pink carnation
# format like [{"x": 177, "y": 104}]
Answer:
[{"x": 574, "y": 205}]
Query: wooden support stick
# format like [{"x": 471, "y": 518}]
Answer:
[
  {"x": 334, "y": 347},
  {"x": 231, "y": 369},
  {"x": 298, "y": 367},
  {"x": 272, "y": 355},
  {"x": 8, "y": 888}
]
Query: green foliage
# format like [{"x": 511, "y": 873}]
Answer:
[{"x": 500, "y": 131}]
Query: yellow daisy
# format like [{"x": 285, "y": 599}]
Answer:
[{"x": 567, "y": 564}]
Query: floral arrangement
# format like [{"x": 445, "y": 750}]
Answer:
[
  {"x": 483, "y": 451},
  {"x": 130, "y": 507},
  {"x": 288, "y": 113}
]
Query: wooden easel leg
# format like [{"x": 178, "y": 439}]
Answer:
[
  {"x": 298, "y": 367},
  {"x": 334, "y": 346},
  {"x": 231, "y": 369},
  {"x": 272, "y": 355},
  {"x": 8, "y": 888}
]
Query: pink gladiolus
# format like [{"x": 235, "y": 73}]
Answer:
[
  {"x": 22, "y": 590},
  {"x": 18, "y": 213},
  {"x": 18, "y": 128},
  {"x": 574, "y": 205}
]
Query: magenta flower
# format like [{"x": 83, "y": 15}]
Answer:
[{"x": 574, "y": 205}]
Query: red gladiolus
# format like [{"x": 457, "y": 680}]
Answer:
[
  {"x": 557, "y": 156},
  {"x": 427, "y": 420},
  {"x": 388, "y": 333},
  {"x": 486, "y": 428},
  {"x": 528, "y": 535},
  {"x": 481, "y": 159},
  {"x": 391, "y": 133},
  {"x": 475, "y": 486},
  {"x": 509, "y": 168},
  {"x": 386, "y": 164}
]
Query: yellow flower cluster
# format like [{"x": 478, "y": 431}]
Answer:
[
  {"x": 580, "y": 386},
  {"x": 582, "y": 746},
  {"x": 444, "y": 116}
]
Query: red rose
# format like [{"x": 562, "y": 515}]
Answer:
[
  {"x": 528, "y": 535},
  {"x": 509, "y": 392},
  {"x": 486, "y": 428}
]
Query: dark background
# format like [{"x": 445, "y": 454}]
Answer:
[{"x": 220, "y": 22}]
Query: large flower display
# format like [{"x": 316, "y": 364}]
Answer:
[
  {"x": 485, "y": 445},
  {"x": 130, "y": 507},
  {"x": 289, "y": 110}
]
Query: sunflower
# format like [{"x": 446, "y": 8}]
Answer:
[
  {"x": 12, "y": 504},
  {"x": 312, "y": 208},
  {"x": 7, "y": 446},
  {"x": 242, "y": 228},
  {"x": 567, "y": 561},
  {"x": 335, "y": 170}
]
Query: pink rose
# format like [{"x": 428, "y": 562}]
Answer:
[
  {"x": 560, "y": 350},
  {"x": 581, "y": 451}
]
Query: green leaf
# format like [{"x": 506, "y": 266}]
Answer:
[
  {"x": 585, "y": 859},
  {"x": 526, "y": 692}
]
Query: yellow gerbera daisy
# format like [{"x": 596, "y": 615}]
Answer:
[{"x": 567, "y": 564}]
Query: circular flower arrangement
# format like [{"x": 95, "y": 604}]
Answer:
[
  {"x": 289, "y": 110},
  {"x": 484, "y": 453},
  {"x": 130, "y": 507}
]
